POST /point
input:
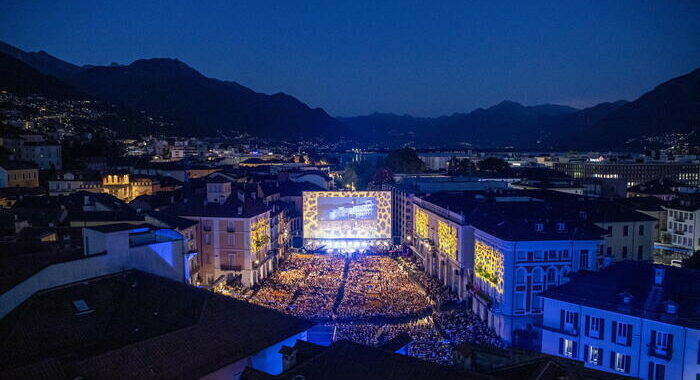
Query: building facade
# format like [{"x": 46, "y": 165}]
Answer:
[
  {"x": 632, "y": 319},
  {"x": 633, "y": 173}
]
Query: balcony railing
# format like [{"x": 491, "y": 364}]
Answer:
[{"x": 230, "y": 267}]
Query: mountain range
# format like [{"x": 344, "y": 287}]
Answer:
[{"x": 203, "y": 106}]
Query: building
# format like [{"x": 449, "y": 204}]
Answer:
[
  {"x": 233, "y": 233},
  {"x": 19, "y": 174},
  {"x": 106, "y": 250},
  {"x": 70, "y": 182},
  {"x": 127, "y": 186},
  {"x": 683, "y": 223},
  {"x": 633, "y": 173},
  {"x": 631, "y": 318},
  {"x": 662, "y": 188},
  {"x": 45, "y": 154},
  {"x": 136, "y": 325},
  {"x": 522, "y": 249}
]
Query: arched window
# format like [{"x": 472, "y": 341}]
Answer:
[
  {"x": 520, "y": 274},
  {"x": 551, "y": 277},
  {"x": 564, "y": 278},
  {"x": 537, "y": 275}
]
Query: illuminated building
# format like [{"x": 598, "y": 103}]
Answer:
[
  {"x": 234, "y": 234},
  {"x": 633, "y": 173},
  {"x": 632, "y": 319},
  {"x": 126, "y": 187},
  {"x": 501, "y": 250}
]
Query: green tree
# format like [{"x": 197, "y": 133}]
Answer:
[
  {"x": 404, "y": 160},
  {"x": 492, "y": 164},
  {"x": 460, "y": 166}
]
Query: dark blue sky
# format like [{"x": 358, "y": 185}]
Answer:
[{"x": 355, "y": 57}]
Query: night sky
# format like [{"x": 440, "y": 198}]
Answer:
[{"x": 356, "y": 57}]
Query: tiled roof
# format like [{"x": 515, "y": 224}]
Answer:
[
  {"x": 603, "y": 290},
  {"x": 139, "y": 326}
]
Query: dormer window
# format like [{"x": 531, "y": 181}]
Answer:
[
  {"x": 561, "y": 227},
  {"x": 671, "y": 307},
  {"x": 539, "y": 227}
]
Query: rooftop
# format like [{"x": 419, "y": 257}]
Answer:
[
  {"x": 134, "y": 325},
  {"x": 603, "y": 290}
]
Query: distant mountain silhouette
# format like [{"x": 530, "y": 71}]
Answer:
[
  {"x": 507, "y": 123},
  {"x": 204, "y": 106},
  {"x": 199, "y": 105},
  {"x": 41, "y": 61},
  {"x": 19, "y": 78},
  {"x": 671, "y": 107}
]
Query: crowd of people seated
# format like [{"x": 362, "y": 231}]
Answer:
[
  {"x": 371, "y": 299},
  {"x": 377, "y": 287}
]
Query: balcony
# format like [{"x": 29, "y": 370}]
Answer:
[
  {"x": 236, "y": 268},
  {"x": 566, "y": 331}
]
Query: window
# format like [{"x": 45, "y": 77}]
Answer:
[
  {"x": 622, "y": 333},
  {"x": 640, "y": 252},
  {"x": 230, "y": 226},
  {"x": 620, "y": 362},
  {"x": 537, "y": 275},
  {"x": 595, "y": 327},
  {"x": 552, "y": 255},
  {"x": 207, "y": 239},
  {"x": 519, "y": 302},
  {"x": 539, "y": 227},
  {"x": 537, "y": 302},
  {"x": 521, "y": 256},
  {"x": 551, "y": 277},
  {"x": 539, "y": 255},
  {"x": 584, "y": 259},
  {"x": 206, "y": 225},
  {"x": 569, "y": 320},
  {"x": 231, "y": 239},
  {"x": 565, "y": 254},
  {"x": 567, "y": 348},
  {"x": 624, "y": 252},
  {"x": 661, "y": 342},
  {"x": 657, "y": 371},
  {"x": 641, "y": 230},
  {"x": 625, "y": 230},
  {"x": 594, "y": 355},
  {"x": 561, "y": 227},
  {"x": 608, "y": 251},
  {"x": 231, "y": 259},
  {"x": 520, "y": 276},
  {"x": 610, "y": 230}
]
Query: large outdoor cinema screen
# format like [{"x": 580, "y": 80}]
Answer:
[{"x": 347, "y": 215}]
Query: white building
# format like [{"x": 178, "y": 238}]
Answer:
[
  {"x": 631, "y": 318},
  {"x": 683, "y": 223}
]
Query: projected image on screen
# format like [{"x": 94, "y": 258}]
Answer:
[
  {"x": 347, "y": 214},
  {"x": 341, "y": 208}
]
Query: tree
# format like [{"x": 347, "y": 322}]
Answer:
[
  {"x": 460, "y": 166},
  {"x": 492, "y": 164},
  {"x": 382, "y": 175},
  {"x": 349, "y": 177},
  {"x": 404, "y": 160}
]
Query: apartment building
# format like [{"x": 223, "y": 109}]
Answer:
[
  {"x": 18, "y": 174},
  {"x": 635, "y": 319},
  {"x": 683, "y": 214},
  {"x": 233, "y": 233},
  {"x": 521, "y": 249}
]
